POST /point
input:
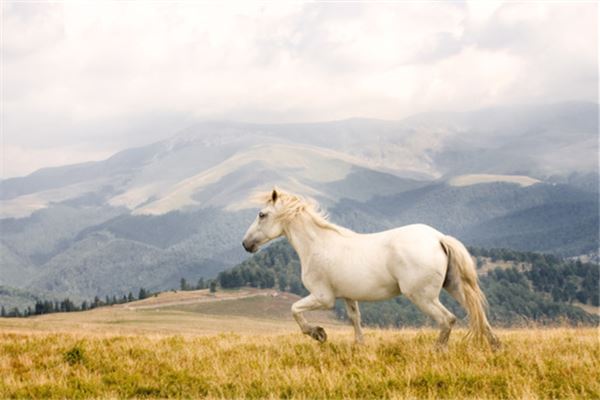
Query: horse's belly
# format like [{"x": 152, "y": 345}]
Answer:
[
  {"x": 365, "y": 289},
  {"x": 377, "y": 294}
]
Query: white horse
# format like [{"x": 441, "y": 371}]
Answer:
[{"x": 414, "y": 260}]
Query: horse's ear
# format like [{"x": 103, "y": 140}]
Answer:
[{"x": 274, "y": 196}]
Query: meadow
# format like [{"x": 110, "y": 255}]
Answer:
[{"x": 194, "y": 351}]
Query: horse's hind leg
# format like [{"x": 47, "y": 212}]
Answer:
[
  {"x": 354, "y": 315},
  {"x": 440, "y": 314},
  {"x": 309, "y": 303}
]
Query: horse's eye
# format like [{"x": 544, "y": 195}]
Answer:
[{"x": 261, "y": 215}]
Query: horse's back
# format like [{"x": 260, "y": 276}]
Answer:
[
  {"x": 416, "y": 229},
  {"x": 415, "y": 241},
  {"x": 410, "y": 237}
]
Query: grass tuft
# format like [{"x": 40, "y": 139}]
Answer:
[{"x": 75, "y": 355}]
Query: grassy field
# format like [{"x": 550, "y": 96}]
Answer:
[{"x": 184, "y": 350}]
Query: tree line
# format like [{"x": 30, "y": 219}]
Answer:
[
  {"x": 200, "y": 285},
  {"x": 513, "y": 255},
  {"x": 67, "y": 305}
]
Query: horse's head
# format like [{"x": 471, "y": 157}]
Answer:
[{"x": 266, "y": 227}]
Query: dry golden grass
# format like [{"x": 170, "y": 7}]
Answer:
[
  {"x": 542, "y": 363},
  {"x": 191, "y": 350}
]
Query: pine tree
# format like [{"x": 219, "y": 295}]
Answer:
[
  {"x": 480, "y": 262},
  {"x": 570, "y": 290},
  {"x": 48, "y": 307},
  {"x": 183, "y": 284},
  {"x": 213, "y": 286},
  {"x": 2, "y": 312},
  {"x": 201, "y": 284},
  {"x": 39, "y": 307},
  {"x": 282, "y": 283},
  {"x": 143, "y": 294},
  {"x": 67, "y": 305},
  {"x": 130, "y": 297}
]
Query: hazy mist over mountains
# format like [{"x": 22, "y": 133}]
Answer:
[
  {"x": 538, "y": 141},
  {"x": 522, "y": 177}
]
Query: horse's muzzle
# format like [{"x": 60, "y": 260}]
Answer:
[{"x": 250, "y": 249}]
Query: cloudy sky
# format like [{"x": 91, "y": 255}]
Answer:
[{"x": 81, "y": 80}]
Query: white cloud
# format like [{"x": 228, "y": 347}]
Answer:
[{"x": 106, "y": 75}]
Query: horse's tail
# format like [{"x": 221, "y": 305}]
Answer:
[{"x": 462, "y": 268}]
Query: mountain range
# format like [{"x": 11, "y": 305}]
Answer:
[{"x": 523, "y": 177}]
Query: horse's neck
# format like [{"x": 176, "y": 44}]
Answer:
[{"x": 305, "y": 237}]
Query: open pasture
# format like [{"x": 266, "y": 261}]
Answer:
[{"x": 168, "y": 352}]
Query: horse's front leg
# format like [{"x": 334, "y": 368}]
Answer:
[
  {"x": 354, "y": 315},
  {"x": 309, "y": 303}
]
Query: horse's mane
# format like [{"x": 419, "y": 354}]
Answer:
[{"x": 292, "y": 205}]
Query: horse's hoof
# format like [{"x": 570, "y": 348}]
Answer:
[
  {"x": 441, "y": 348},
  {"x": 496, "y": 345},
  {"x": 318, "y": 334}
]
